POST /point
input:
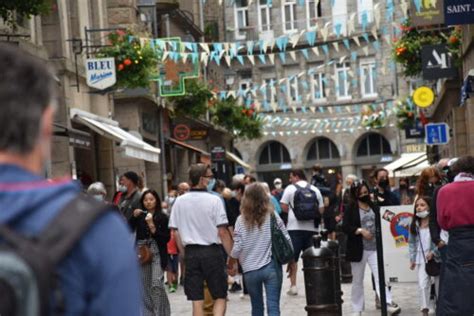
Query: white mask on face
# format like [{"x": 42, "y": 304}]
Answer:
[
  {"x": 423, "y": 214},
  {"x": 122, "y": 188},
  {"x": 278, "y": 186},
  {"x": 98, "y": 197}
]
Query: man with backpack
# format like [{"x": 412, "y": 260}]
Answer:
[
  {"x": 61, "y": 253},
  {"x": 304, "y": 204}
]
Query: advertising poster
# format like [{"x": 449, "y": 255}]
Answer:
[{"x": 396, "y": 222}]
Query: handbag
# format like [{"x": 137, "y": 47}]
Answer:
[
  {"x": 432, "y": 267},
  {"x": 144, "y": 254},
  {"x": 282, "y": 249}
]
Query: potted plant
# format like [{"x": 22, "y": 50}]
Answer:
[{"x": 194, "y": 103}]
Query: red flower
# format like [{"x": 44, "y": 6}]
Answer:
[
  {"x": 453, "y": 39},
  {"x": 127, "y": 62},
  {"x": 120, "y": 67},
  {"x": 120, "y": 33}
]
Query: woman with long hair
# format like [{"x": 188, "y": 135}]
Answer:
[
  {"x": 429, "y": 179},
  {"x": 422, "y": 250},
  {"x": 359, "y": 225},
  {"x": 253, "y": 248},
  {"x": 151, "y": 227}
]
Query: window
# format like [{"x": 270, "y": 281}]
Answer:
[
  {"x": 270, "y": 93},
  {"x": 273, "y": 153},
  {"x": 241, "y": 18},
  {"x": 318, "y": 87},
  {"x": 246, "y": 85},
  {"x": 339, "y": 15},
  {"x": 289, "y": 15},
  {"x": 365, "y": 10},
  {"x": 367, "y": 79},
  {"x": 293, "y": 89},
  {"x": 313, "y": 11},
  {"x": 322, "y": 148},
  {"x": 342, "y": 82},
  {"x": 264, "y": 16},
  {"x": 372, "y": 145}
]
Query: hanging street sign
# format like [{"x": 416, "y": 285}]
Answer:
[
  {"x": 423, "y": 97},
  {"x": 427, "y": 12},
  {"x": 436, "y": 62},
  {"x": 175, "y": 69},
  {"x": 100, "y": 73},
  {"x": 458, "y": 12},
  {"x": 437, "y": 134}
]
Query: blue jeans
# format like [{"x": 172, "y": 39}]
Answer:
[{"x": 271, "y": 277}]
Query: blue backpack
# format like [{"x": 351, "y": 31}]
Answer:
[{"x": 305, "y": 204}]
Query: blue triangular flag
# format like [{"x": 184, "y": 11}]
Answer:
[
  {"x": 347, "y": 43},
  {"x": 325, "y": 48},
  {"x": 240, "y": 58},
  {"x": 311, "y": 37},
  {"x": 262, "y": 58},
  {"x": 282, "y": 57},
  {"x": 305, "y": 53},
  {"x": 250, "y": 45},
  {"x": 338, "y": 29},
  {"x": 366, "y": 37}
]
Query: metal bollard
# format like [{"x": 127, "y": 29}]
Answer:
[
  {"x": 346, "y": 271},
  {"x": 333, "y": 245},
  {"x": 319, "y": 275}
]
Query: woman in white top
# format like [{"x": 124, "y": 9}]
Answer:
[
  {"x": 422, "y": 249},
  {"x": 253, "y": 249}
]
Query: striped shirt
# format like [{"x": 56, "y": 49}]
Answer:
[{"x": 252, "y": 247}]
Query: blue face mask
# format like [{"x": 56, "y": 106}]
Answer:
[{"x": 211, "y": 184}]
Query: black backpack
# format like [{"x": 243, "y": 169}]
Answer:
[
  {"x": 305, "y": 204},
  {"x": 27, "y": 265}
]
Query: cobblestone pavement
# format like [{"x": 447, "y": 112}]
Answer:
[{"x": 405, "y": 294}]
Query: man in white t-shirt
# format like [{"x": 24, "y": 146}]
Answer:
[
  {"x": 301, "y": 231},
  {"x": 199, "y": 223}
]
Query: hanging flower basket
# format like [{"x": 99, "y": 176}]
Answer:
[
  {"x": 373, "y": 118},
  {"x": 405, "y": 113},
  {"x": 135, "y": 64}
]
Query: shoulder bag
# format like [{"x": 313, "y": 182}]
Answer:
[
  {"x": 282, "y": 250},
  {"x": 432, "y": 267}
]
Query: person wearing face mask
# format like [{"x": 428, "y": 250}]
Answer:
[
  {"x": 404, "y": 193},
  {"x": 428, "y": 181},
  {"x": 97, "y": 191},
  {"x": 421, "y": 250},
  {"x": 359, "y": 225},
  {"x": 130, "y": 199},
  {"x": 382, "y": 192},
  {"x": 277, "y": 192}
]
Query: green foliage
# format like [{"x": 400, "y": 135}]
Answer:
[
  {"x": 194, "y": 103},
  {"x": 405, "y": 114},
  {"x": 241, "y": 122},
  {"x": 22, "y": 8},
  {"x": 135, "y": 64}
]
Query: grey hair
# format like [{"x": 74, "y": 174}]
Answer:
[
  {"x": 27, "y": 88},
  {"x": 351, "y": 176},
  {"x": 97, "y": 188}
]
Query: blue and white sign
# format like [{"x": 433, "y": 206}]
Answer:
[
  {"x": 437, "y": 133},
  {"x": 458, "y": 12},
  {"x": 100, "y": 72}
]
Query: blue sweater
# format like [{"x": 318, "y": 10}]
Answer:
[{"x": 100, "y": 275}]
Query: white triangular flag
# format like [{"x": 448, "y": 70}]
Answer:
[
  {"x": 228, "y": 60},
  {"x": 294, "y": 39},
  {"x": 272, "y": 58},
  {"x": 184, "y": 57},
  {"x": 315, "y": 50},
  {"x": 293, "y": 55},
  {"x": 257, "y": 105},
  {"x": 264, "y": 46},
  {"x": 272, "y": 44},
  {"x": 204, "y": 56},
  {"x": 350, "y": 73},
  {"x": 366, "y": 50},
  {"x": 252, "y": 59},
  {"x": 377, "y": 14},
  {"x": 351, "y": 24},
  {"x": 281, "y": 80},
  {"x": 336, "y": 46},
  {"x": 294, "y": 109},
  {"x": 404, "y": 7},
  {"x": 205, "y": 47},
  {"x": 374, "y": 32},
  {"x": 312, "y": 109},
  {"x": 356, "y": 40},
  {"x": 301, "y": 74},
  {"x": 226, "y": 47}
]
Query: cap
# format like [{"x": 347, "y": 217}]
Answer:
[{"x": 277, "y": 180}]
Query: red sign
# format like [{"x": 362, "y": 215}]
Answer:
[{"x": 181, "y": 132}]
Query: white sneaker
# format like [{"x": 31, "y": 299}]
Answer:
[
  {"x": 357, "y": 314},
  {"x": 393, "y": 309},
  {"x": 292, "y": 291},
  {"x": 242, "y": 296}
]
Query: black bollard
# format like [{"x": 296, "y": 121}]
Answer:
[
  {"x": 319, "y": 278},
  {"x": 346, "y": 271},
  {"x": 333, "y": 245}
]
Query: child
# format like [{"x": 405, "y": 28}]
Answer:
[
  {"x": 172, "y": 268},
  {"x": 422, "y": 249}
]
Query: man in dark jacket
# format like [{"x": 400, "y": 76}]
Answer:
[
  {"x": 130, "y": 199},
  {"x": 100, "y": 274}
]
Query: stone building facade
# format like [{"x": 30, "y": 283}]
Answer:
[{"x": 341, "y": 85}]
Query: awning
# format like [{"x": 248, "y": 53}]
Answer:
[
  {"x": 132, "y": 146},
  {"x": 77, "y": 138},
  {"x": 237, "y": 160},
  {"x": 407, "y": 165},
  {"x": 190, "y": 147}
]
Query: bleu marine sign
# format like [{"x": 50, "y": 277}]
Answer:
[
  {"x": 100, "y": 72},
  {"x": 458, "y": 12}
]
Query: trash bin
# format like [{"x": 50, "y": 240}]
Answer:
[{"x": 322, "y": 295}]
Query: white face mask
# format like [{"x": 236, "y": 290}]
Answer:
[
  {"x": 122, "y": 188},
  {"x": 277, "y": 185},
  {"x": 423, "y": 214},
  {"x": 98, "y": 197}
]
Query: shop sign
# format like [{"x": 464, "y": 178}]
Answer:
[
  {"x": 217, "y": 153},
  {"x": 181, "y": 132},
  {"x": 458, "y": 12},
  {"x": 414, "y": 148},
  {"x": 198, "y": 134},
  {"x": 427, "y": 12},
  {"x": 437, "y": 63},
  {"x": 100, "y": 72},
  {"x": 417, "y": 131}
]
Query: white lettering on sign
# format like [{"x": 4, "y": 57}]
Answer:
[
  {"x": 100, "y": 72},
  {"x": 440, "y": 59},
  {"x": 460, "y": 8}
]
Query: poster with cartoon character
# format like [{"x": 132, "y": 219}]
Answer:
[{"x": 396, "y": 222}]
